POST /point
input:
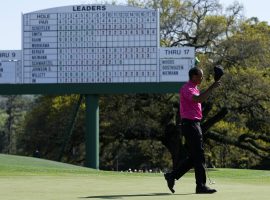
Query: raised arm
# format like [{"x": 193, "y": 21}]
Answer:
[{"x": 204, "y": 95}]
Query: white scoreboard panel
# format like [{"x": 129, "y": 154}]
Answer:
[
  {"x": 91, "y": 44},
  {"x": 8, "y": 55},
  {"x": 10, "y": 72},
  {"x": 175, "y": 63},
  {"x": 10, "y": 67}
]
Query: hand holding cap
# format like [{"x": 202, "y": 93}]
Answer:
[{"x": 218, "y": 72}]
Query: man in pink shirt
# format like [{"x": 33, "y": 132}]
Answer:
[{"x": 191, "y": 115}]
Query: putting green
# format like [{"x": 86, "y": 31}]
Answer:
[{"x": 23, "y": 178}]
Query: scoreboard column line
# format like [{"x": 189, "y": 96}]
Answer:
[
  {"x": 158, "y": 44},
  {"x": 57, "y": 79},
  {"x": 106, "y": 56}
]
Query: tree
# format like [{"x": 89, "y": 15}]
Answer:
[
  {"x": 46, "y": 126},
  {"x": 15, "y": 108}
]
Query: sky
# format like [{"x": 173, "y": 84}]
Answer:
[{"x": 12, "y": 10}]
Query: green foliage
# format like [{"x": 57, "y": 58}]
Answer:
[
  {"x": 15, "y": 108},
  {"x": 46, "y": 125},
  {"x": 244, "y": 93},
  {"x": 248, "y": 45},
  {"x": 134, "y": 154},
  {"x": 130, "y": 127},
  {"x": 224, "y": 155}
]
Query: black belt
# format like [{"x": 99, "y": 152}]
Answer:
[{"x": 190, "y": 120}]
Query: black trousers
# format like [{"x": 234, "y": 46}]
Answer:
[{"x": 194, "y": 143}]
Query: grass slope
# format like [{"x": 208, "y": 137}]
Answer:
[
  {"x": 20, "y": 165},
  {"x": 24, "y": 178}
]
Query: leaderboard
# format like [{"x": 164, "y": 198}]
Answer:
[
  {"x": 10, "y": 67},
  {"x": 91, "y": 44}
]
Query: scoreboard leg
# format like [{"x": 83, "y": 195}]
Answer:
[{"x": 92, "y": 131}]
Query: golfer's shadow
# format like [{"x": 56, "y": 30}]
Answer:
[{"x": 131, "y": 195}]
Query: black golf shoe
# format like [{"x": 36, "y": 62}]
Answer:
[
  {"x": 170, "y": 181},
  {"x": 204, "y": 190}
]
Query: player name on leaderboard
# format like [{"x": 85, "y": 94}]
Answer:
[{"x": 91, "y": 44}]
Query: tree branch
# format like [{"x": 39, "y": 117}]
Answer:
[
  {"x": 235, "y": 142},
  {"x": 216, "y": 118}
]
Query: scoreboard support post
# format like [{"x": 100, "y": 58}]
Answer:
[{"x": 92, "y": 131}]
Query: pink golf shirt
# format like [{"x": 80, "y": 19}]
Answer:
[{"x": 190, "y": 109}]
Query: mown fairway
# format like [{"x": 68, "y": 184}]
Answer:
[{"x": 23, "y": 178}]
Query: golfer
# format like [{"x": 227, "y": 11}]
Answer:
[{"x": 191, "y": 115}]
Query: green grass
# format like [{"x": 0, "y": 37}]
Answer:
[
  {"x": 24, "y": 178},
  {"x": 19, "y": 165}
]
